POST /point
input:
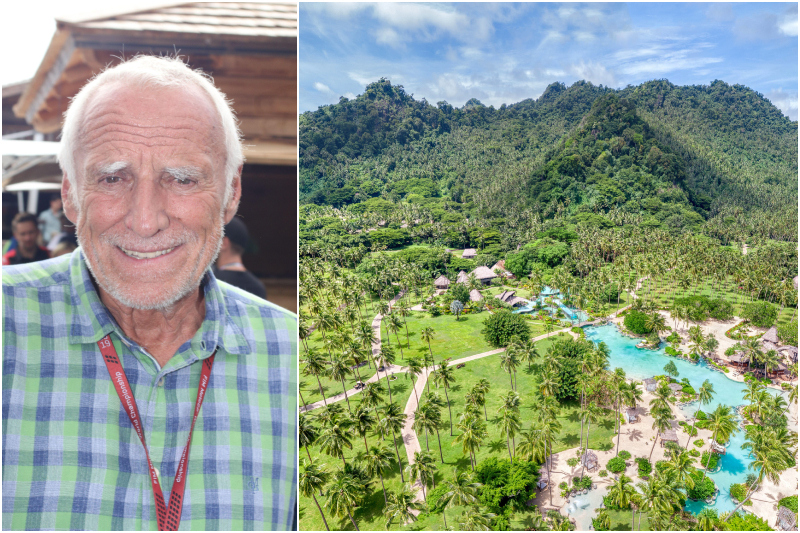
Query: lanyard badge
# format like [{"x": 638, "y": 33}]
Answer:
[{"x": 168, "y": 518}]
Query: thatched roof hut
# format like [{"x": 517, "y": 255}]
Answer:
[
  {"x": 667, "y": 436},
  {"x": 441, "y": 282},
  {"x": 505, "y": 296},
  {"x": 501, "y": 266},
  {"x": 790, "y": 352},
  {"x": 787, "y": 520},
  {"x": 544, "y": 479},
  {"x": 589, "y": 459},
  {"x": 484, "y": 274},
  {"x": 475, "y": 295},
  {"x": 469, "y": 253},
  {"x": 675, "y": 387},
  {"x": 771, "y": 336},
  {"x": 737, "y": 358},
  {"x": 650, "y": 384},
  {"x": 463, "y": 277},
  {"x": 631, "y": 415}
]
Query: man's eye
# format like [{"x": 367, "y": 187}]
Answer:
[
  {"x": 183, "y": 181},
  {"x": 112, "y": 179}
]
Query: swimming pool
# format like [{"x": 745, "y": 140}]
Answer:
[
  {"x": 640, "y": 364},
  {"x": 571, "y": 313}
]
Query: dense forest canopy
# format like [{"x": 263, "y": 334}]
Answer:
[{"x": 717, "y": 159}]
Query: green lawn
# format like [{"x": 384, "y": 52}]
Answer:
[
  {"x": 369, "y": 515},
  {"x": 621, "y": 521}
]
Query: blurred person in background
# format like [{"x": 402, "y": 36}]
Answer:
[
  {"x": 26, "y": 232},
  {"x": 230, "y": 268},
  {"x": 50, "y": 220}
]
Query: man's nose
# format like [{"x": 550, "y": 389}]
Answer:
[{"x": 147, "y": 213}]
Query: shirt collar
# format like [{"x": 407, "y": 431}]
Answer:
[{"x": 89, "y": 319}]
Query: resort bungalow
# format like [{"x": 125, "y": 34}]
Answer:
[
  {"x": 469, "y": 253},
  {"x": 667, "y": 436},
  {"x": 737, "y": 359},
  {"x": 650, "y": 384},
  {"x": 510, "y": 298},
  {"x": 771, "y": 336},
  {"x": 484, "y": 275},
  {"x": 631, "y": 416},
  {"x": 543, "y": 479},
  {"x": 475, "y": 295},
  {"x": 463, "y": 277},
  {"x": 675, "y": 387},
  {"x": 589, "y": 460},
  {"x": 787, "y": 520},
  {"x": 501, "y": 266},
  {"x": 441, "y": 282}
]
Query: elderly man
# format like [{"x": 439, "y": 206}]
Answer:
[{"x": 140, "y": 393}]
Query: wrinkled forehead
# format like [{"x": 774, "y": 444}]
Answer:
[{"x": 151, "y": 117}]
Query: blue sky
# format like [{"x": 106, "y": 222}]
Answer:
[{"x": 504, "y": 53}]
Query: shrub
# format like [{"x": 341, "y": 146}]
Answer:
[
  {"x": 616, "y": 465},
  {"x": 688, "y": 389},
  {"x": 761, "y": 314},
  {"x": 602, "y": 473},
  {"x": 699, "y": 443},
  {"x": 787, "y": 333},
  {"x": 572, "y": 461},
  {"x": 672, "y": 351},
  {"x": 709, "y": 460},
  {"x": 579, "y": 331},
  {"x": 501, "y": 328},
  {"x": 581, "y": 483},
  {"x": 673, "y": 338},
  {"x": 687, "y": 428},
  {"x": 694, "y": 453},
  {"x": 503, "y": 482},
  {"x": 434, "y": 506},
  {"x": 790, "y": 502},
  {"x": 644, "y": 466},
  {"x": 738, "y": 492},
  {"x": 747, "y": 522},
  {"x": 703, "y": 486},
  {"x": 563, "y": 485},
  {"x": 625, "y": 454},
  {"x": 435, "y": 311},
  {"x": 661, "y": 465},
  {"x": 636, "y": 321}
]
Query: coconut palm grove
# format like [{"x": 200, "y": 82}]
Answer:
[{"x": 571, "y": 313}]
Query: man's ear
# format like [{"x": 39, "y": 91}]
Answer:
[
  {"x": 236, "y": 194},
  {"x": 226, "y": 244},
  {"x": 70, "y": 209}
]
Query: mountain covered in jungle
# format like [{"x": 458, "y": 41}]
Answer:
[{"x": 718, "y": 159}]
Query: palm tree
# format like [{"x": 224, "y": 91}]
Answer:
[
  {"x": 509, "y": 426},
  {"x": 427, "y": 335},
  {"x": 306, "y": 432},
  {"x": 372, "y": 394},
  {"x": 414, "y": 369},
  {"x": 316, "y": 366},
  {"x": 423, "y": 469},
  {"x": 338, "y": 371},
  {"x": 387, "y": 358},
  {"x": 592, "y": 415},
  {"x": 474, "y": 520},
  {"x": 482, "y": 387},
  {"x": 377, "y": 461},
  {"x": 462, "y": 490},
  {"x": 680, "y": 465},
  {"x": 533, "y": 443},
  {"x": 621, "y": 492},
  {"x": 444, "y": 376},
  {"x": 335, "y": 438},
  {"x": 722, "y": 424},
  {"x": 661, "y": 422},
  {"x": 393, "y": 422},
  {"x": 704, "y": 396},
  {"x": 363, "y": 420},
  {"x": 707, "y": 519},
  {"x": 344, "y": 493},
  {"x": 312, "y": 479},
  {"x": 400, "y": 507},
  {"x": 473, "y": 431}
]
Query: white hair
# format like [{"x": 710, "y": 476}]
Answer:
[{"x": 151, "y": 72}]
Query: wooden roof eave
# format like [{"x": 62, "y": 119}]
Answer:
[{"x": 55, "y": 60}]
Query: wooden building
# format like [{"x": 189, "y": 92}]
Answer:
[{"x": 250, "y": 49}]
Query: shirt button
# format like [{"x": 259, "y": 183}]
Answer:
[
  {"x": 161, "y": 382},
  {"x": 203, "y": 345}
]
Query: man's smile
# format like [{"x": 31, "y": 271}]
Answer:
[{"x": 145, "y": 255}]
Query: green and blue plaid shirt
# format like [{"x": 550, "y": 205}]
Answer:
[{"x": 72, "y": 460}]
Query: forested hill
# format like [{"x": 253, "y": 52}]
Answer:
[{"x": 714, "y": 157}]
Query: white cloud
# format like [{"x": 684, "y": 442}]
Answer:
[
  {"x": 787, "y": 24},
  {"x": 785, "y": 101},
  {"x": 595, "y": 73},
  {"x": 321, "y": 87},
  {"x": 388, "y": 37}
]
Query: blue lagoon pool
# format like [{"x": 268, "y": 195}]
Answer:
[{"x": 640, "y": 364}]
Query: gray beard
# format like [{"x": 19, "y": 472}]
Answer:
[{"x": 116, "y": 291}]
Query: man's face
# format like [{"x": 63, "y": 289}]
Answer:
[
  {"x": 26, "y": 234},
  {"x": 55, "y": 205},
  {"x": 150, "y": 187}
]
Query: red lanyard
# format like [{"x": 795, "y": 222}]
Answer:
[{"x": 168, "y": 519}]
